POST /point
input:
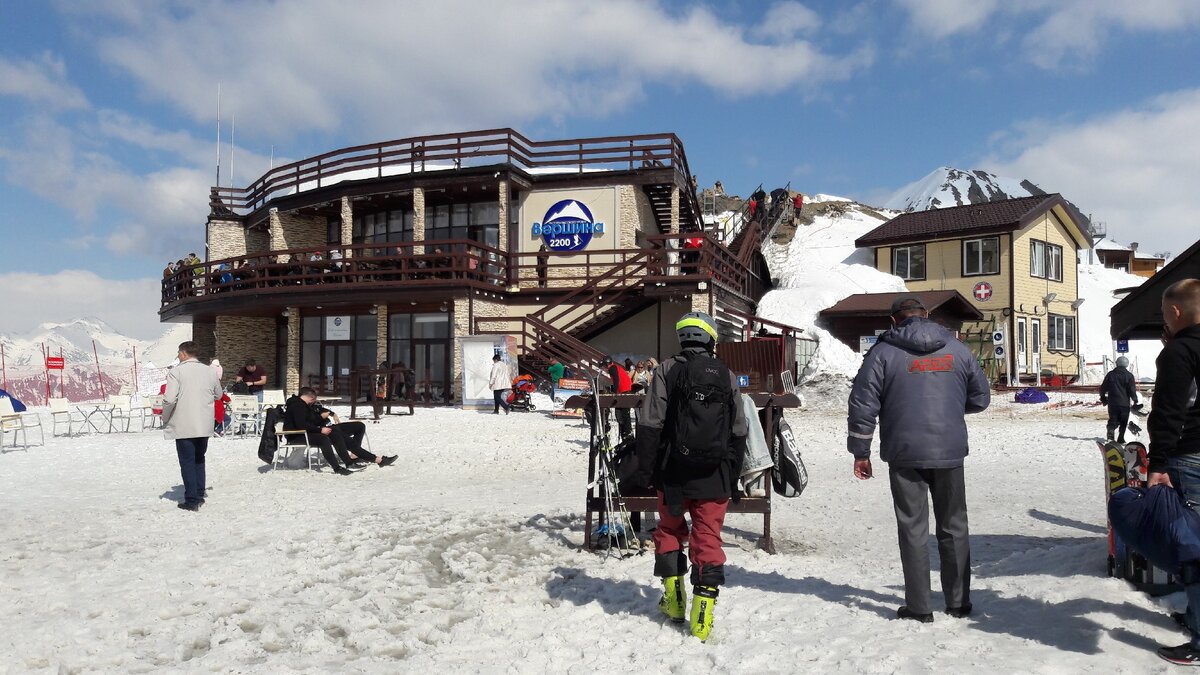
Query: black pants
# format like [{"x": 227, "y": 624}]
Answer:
[
  {"x": 1118, "y": 418},
  {"x": 350, "y": 435},
  {"x": 911, "y": 489},
  {"x": 624, "y": 423},
  {"x": 500, "y": 402},
  {"x": 326, "y": 445}
]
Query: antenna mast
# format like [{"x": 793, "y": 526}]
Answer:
[{"x": 218, "y": 134}]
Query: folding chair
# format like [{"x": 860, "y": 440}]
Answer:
[
  {"x": 284, "y": 447},
  {"x": 61, "y": 413},
  {"x": 151, "y": 419},
  {"x": 243, "y": 411},
  {"x": 18, "y": 423},
  {"x": 123, "y": 411}
]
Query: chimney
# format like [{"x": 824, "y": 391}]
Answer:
[{"x": 1133, "y": 246}]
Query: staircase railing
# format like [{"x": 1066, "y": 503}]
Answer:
[{"x": 616, "y": 282}]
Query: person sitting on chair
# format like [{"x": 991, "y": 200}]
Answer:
[
  {"x": 301, "y": 415},
  {"x": 351, "y": 434}
]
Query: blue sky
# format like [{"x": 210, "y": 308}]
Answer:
[{"x": 107, "y": 107}]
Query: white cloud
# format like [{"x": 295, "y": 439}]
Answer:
[
  {"x": 397, "y": 68},
  {"x": 31, "y": 299},
  {"x": 942, "y": 18},
  {"x": 42, "y": 80},
  {"x": 1134, "y": 170},
  {"x": 785, "y": 19}
]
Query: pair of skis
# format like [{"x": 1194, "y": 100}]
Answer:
[{"x": 615, "y": 528}]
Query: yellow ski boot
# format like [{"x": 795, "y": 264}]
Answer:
[
  {"x": 674, "y": 599},
  {"x": 703, "y": 605}
]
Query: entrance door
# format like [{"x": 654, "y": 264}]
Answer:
[
  {"x": 1035, "y": 357},
  {"x": 335, "y": 368},
  {"x": 1022, "y": 347},
  {"x": 431, "y": 363}
]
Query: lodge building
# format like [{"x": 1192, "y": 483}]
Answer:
[
  {"x": 1014, "y": 260},
  {"x": 396, "y": 251}
]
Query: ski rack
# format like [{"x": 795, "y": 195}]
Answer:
[{"x": 770, "y": 407}]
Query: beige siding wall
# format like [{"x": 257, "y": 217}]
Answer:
[
  {"x": 943, "y": 271},
  {"x": 1030, "y": 292}
]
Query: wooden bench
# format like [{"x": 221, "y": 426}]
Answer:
[{"x": 770, "y": 408}]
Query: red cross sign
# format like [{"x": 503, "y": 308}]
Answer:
[{"x": 983, "y": 291}]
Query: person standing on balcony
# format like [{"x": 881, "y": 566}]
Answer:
[
  {"x": 499, "y": 382},
  {"x": 187, "y": 417},
  {"x": 543, "y": 263}
]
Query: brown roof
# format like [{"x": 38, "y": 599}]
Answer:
[
  {"x": 999, "y": 216},
  {"x": 880, "y": 304}
]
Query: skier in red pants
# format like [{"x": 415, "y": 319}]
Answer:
[{"x": 691, "y": 435}]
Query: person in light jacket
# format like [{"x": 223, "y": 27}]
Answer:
[
  {"x": 499, "y": 382},
  {"x": 919, "y": 381},
  {"x": 187, "y": 416}
]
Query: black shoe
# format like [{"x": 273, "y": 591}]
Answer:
[
  {"x": 1121, "y": 440},
  {"x": 1179, "y": 618},
  {"x": 189, "y": 506},
  {"x": 387, "y": 460},
  {"x": 355, "y": 467},
  {"x": 904, "y": 613},
  {"x": 359, "y": 464},
  {"x": 342, "y": 471},
  {"x": 960, "y": 612},
  {"x": 1183, "y": 655}
]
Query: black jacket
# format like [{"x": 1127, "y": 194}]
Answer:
[
  {"x": 300, "y": 415},
  {"x": 1119, "y": 388},
  {"x": 1174, "y": 424}
]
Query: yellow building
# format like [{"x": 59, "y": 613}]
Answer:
[{"x": 1015, "y": 260}]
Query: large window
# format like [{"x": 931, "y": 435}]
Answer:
[
  {"x": 908, "y": 262},
  {"x": 981, "y": 256},
  {"x": 478, "y": 221},
  {"x": 1062, "y": 333},
  {"x": 1045, "y": 260},
  {"x": 383, "y": 227}
]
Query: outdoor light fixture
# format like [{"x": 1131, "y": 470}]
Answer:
[
  {"x": 1076, "y": 303},
  {"x": 1049, "y": 298},
  {"x": 374, "y": 309},
  {"x": 444, "y": 307},
  {"x": 286, "y": 313}
]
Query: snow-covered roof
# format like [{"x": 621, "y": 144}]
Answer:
[{"x": 1105, "y": 244}]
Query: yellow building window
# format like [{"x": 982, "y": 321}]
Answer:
[{"x": 981, "y": 256}]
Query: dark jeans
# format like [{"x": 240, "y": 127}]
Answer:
[
  {"x": 1184, "y": 471},
  {"x": 910, "y": 496},
  {"x": 500, "y": 402},
  {"x": 191, "y": 467},
  {"x": 326, "y": 446},
  {"x": 1118, "y": 418},
  {"x": 347, "y": 438}
]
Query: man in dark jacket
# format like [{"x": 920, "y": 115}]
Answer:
[
  {"x": 920, "y": 381},
  {"x": 703, "y": 493},
  {"x": 300, "y": 414},
  {"x": 1117, "y": 392},
  {"x": 1174, "y": 427}
]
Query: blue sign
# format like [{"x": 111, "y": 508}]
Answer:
[
  {"x": 1122, "y": 346},
  {"x": 567, "y": 226},
  {"x": 743, "y": 381}
]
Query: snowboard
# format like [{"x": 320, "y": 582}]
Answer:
[{"x": 1126, "y": 466}]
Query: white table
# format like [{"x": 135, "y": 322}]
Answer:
[{"x": 101, "y": 410}]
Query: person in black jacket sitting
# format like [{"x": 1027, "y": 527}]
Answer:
[
  {"x": 347, "y": 440},
  {"x": 1117, "y": 392},
  {"x": 302, "y": 413}
]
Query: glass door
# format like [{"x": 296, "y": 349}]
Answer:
[
  {"x": 1022, "y": 347},
  {"x": 431, "y": 363},
  {"x": 1035, "y": 357},
  {"x": 335, "y": 368}
]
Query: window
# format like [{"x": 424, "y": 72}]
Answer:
[
  {"x": 1062, "y": 333},
  {"x": 981, "y": 256},
  {"x": 908, "y": 262},
  {"x": 1045, "y": 260}
]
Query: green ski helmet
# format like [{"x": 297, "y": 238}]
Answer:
[{"x": 696, "y": 329}]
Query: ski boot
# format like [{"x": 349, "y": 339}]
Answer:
[
  {"x": 702, "y": 611},
  {"x": 674, "y": 599}
]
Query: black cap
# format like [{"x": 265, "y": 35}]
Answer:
[{"x": 906, "y": 303}]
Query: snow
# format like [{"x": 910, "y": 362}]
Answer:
[
  {"x": 1096, "y": 286},
  {"x": 1103, "y": 244},
  {"x": 947, "y": 186},
  {"x": 464, "y": 557},
  {"x": 819, "y": 197}
]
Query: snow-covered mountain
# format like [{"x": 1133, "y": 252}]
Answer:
[
  {"x": 946, "y": 186},
  {"x": 24, "y": 364}
]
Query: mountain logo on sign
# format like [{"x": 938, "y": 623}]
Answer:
[{"x": 567, "y": 226}]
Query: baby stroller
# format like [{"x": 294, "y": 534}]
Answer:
[{"x": 519, "y": 398}]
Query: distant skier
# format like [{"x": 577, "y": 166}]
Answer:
[
  {"x": 690, "y": 440},
  {"x": 1117, "y": 392},
  {"x": 1174, "y": 427},
  {"x": 919, "y": 381}
]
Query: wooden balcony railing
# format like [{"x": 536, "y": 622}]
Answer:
[{"x": 454, "y": 151}]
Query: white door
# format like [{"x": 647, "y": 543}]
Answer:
[
  {"x": 1035, "y": 360},
  {"x": 1022, "y": 347}
]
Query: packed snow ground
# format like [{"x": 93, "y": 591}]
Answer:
[{"x": 466, "y": 555}]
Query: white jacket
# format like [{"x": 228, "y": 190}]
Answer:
[
  {"x": 500, "y": 377},
  {"x": 192, "y": 389}
]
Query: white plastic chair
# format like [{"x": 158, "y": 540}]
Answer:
[
  {"x": 285, "y": 447},
  {"x": 273, "y": 397},
  {"x": 243, "y": 412},
  {"x": 123, "y": 411},
  {"x": 151, "y": 419},
  {"x": 18, "y": 423},
  {"x": 61, "y": 413}
]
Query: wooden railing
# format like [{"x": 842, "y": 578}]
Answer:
[{"x": 455, "y": 151}]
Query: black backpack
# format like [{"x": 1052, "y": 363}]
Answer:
[
  {"x": 700, "y": 418},
  {"x": 790, "y": 476}
]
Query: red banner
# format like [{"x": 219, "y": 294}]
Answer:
[{"x": 55, "y": 363}]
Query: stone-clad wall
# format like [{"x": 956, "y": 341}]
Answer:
[
  {"x": 204, "y": 335},
  {"x": 464, "y": 309},
  {"x": 230, "y": 239},
  {"x": 247, "y": 337},
  {"x": 290, "y": 230},
  {"x": 292, "y": 368}
]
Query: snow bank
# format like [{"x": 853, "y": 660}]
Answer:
[{"x": 1096, "y": 286}]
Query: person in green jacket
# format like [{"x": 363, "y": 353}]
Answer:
[{"x": 556, "y": 370}]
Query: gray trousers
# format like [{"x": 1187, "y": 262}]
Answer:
[{"x": 910, "y": 490}]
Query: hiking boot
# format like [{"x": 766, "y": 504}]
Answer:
[
  {"x": 905, "y": 613},
  {"x": 189, "y": 506},
  {"x": 960, "y": 612},
  {"x": 1183, "y": 655},
  {"x": 703, "y": 604},
  {"x": 1109, "y": 435},
  {"x": 674, "y": 599}
]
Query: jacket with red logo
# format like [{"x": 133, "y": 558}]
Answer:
[{"x": 919, "y": 382}]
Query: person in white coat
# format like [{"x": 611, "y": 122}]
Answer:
[
  {"x": 192, "y": 389},
  {"x": 498, "y": 382}
]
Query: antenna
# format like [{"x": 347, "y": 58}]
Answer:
[
  {"x": 272, "y": 155},
  {"x": 232, "y": 124},
  {"x": 218, "y": 134}
]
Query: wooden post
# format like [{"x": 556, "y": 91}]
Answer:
[{"x": 61, "y": 384}]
